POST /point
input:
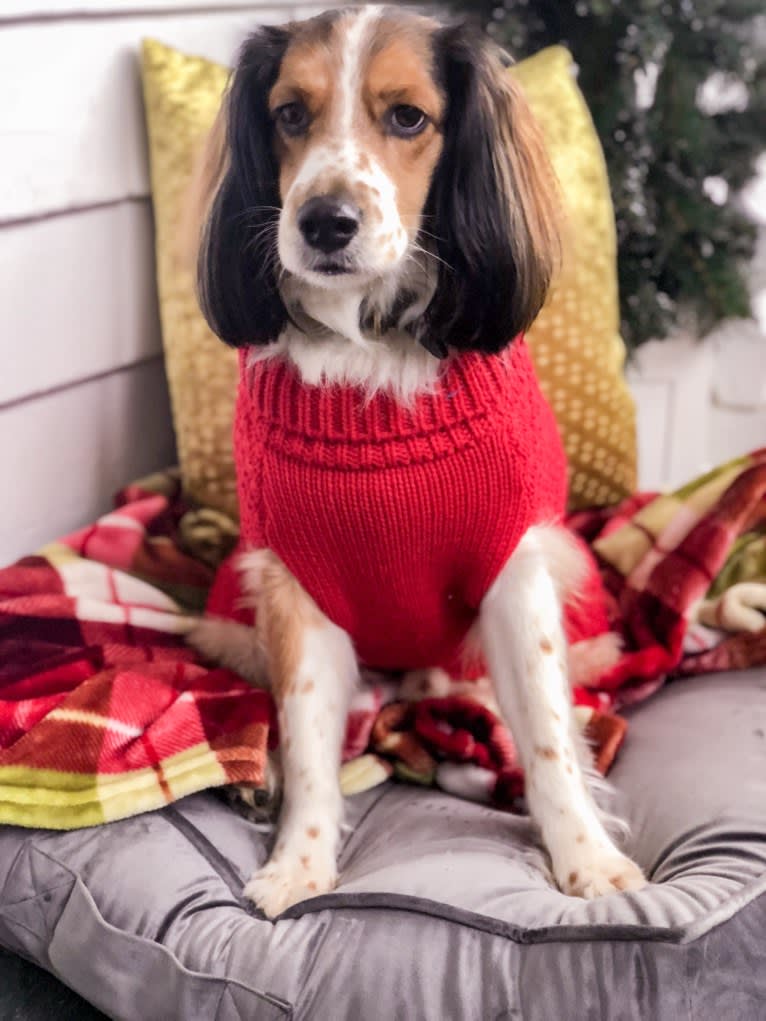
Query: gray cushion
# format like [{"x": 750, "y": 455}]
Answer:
[{"x": 443, "y": 909}]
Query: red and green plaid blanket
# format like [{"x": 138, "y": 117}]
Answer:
[{"x": 105, "y": 713}]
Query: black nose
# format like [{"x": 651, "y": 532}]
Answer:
[{"x": 328, "y": 223}]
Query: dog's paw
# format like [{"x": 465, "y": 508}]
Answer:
[
  {"x": 258, "y": 804},
  {"x": 289, "y": 878},
  {"x": 603, "y": 873}
]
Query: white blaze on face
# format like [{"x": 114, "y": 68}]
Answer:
[{"x": 337, "y": 163}]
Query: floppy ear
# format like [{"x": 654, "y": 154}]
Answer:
[
  {"x": 493, "y": 205},
  {"x": 237, "y": 264},
  {"x": 205, "y": 180}
]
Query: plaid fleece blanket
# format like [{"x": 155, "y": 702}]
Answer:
[{"x": 105, "y": 713}]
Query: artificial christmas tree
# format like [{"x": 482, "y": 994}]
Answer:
[{"x": 677, "y": 91}]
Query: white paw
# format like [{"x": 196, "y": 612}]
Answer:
[
  {"x": 290, "y": 877},
  {"x": 603, "y": 872},
  {"x": 740, "y": 608}
]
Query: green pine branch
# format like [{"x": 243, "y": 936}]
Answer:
[{"x": 677, "y": 245}]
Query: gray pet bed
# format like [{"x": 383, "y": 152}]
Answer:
[{"x": 443, "y": 910}]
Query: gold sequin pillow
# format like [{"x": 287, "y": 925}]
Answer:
[
  {"x": 182, "y": 96},
  {"x": 575, "y": 342}
]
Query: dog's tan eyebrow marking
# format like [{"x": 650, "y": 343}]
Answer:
[
  {"x": 399, "y": 71},
  {"x": 308, "y": 69},
  {"x": 288, "y": 92},
  {"x": 401, "y": 94},
  {"x": 305, "y": 75}
]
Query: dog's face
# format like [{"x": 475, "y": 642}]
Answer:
[
  {"x": 376, "y": 153},
  {"x": 358, "y": 133}
]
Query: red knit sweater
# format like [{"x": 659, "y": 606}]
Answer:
[{"x": 397, "y": 520}]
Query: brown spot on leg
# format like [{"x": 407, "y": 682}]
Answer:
[
  {"x": 581, "y": 838},
  {"x": 305, "y": 862},
  {"x": 307, "y": 687},
  {"x": 313, "y": 832},
  {"x": 312, "y": 885},
  {"x": 618, "y": 882},
  {"x": 546, "y": 752},
  {"x": 546, "y": 646},
  {"x": 572, "y": 878}
]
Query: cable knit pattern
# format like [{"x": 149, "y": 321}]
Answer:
[{"x": 397, "y": 519}]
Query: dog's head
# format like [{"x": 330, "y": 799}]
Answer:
[{"x": 379, "y": 154}]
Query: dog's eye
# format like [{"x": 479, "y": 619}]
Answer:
[
  {"x": 293, "y": 118},
  {"x": 407, "y": 120}
]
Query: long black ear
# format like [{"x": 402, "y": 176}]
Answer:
[
  {"x": 237, "y": 265},
  {"x": 493, "y": 204}
]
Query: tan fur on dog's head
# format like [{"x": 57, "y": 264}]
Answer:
[
  {"x": 347, "y": 83},
  {"x": 376, "y": 155}
]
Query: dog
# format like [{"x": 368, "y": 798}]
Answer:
[{"x": 382, "y": 226}]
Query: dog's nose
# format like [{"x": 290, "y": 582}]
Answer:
[{"x": 328, "y": 223}]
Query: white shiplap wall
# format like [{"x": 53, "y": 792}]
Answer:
[
  {"x": 699, "y": 402},
  {"x": 83, "y": 400}
]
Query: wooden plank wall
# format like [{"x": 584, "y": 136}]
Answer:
[{"x": 83, "y": 399}]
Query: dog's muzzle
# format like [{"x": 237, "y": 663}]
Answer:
[{"x": 329, "y": 224}]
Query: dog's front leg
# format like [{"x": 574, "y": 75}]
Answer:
[
  {"x": 523, "y": 640},
  {"x": 313, "y": 670}
]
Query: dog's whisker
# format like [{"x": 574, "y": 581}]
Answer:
[
  {"x": 260, "y": 244},
  {"x": 261, "y": 236},
  {"x": 253, "y": 210},
  {"x": 428, "y": 234},
  {"x": 249, "y": 220},
  {"x": 263, "y": 241},
  {"x": 433, "y": 256}
]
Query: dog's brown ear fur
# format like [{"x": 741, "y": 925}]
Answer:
[
  {"x": 207, "y": 174},
  {"x": 494, "y": 203},
  {"x": 530, "y": 191},
  {"x": 238, "y": 265}
]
